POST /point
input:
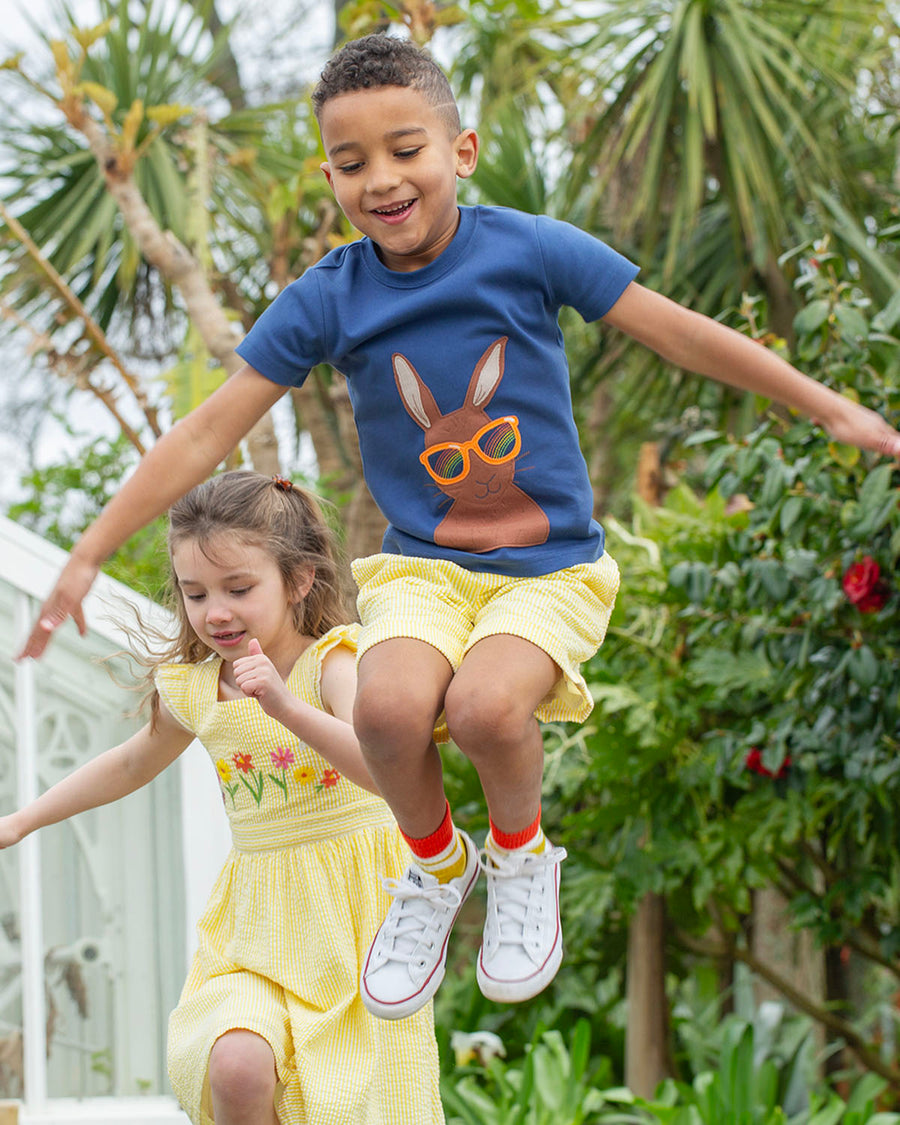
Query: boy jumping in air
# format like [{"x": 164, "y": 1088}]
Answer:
[{"x": 493, "y": 585}]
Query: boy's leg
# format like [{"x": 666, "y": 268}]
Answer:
[
  {"x": 400, "y": 693},
  {"x": 490, "y": 714}
]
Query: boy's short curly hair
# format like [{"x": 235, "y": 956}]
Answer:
[{"x": 384, "y": 60}]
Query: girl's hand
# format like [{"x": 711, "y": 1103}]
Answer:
[
  {"x": 257, "y": 676},
  {"x": 10, "y": 832}
]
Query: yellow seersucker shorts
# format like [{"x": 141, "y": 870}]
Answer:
[{"x": 565, "y": 614}]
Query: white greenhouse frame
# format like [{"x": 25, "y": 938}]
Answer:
[{"x": 29, "y": 567}]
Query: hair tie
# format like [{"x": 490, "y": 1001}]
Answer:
[{"x": 282, "y": 483}]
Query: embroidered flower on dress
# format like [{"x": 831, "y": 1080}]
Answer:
[
  {"x": 224, "y": 770},
  {"x": 242, "y": 762},
  {"x": 330, "y": 778},
  {"x": 282, "y": 757},
  {"x": 303, "y": 775}
]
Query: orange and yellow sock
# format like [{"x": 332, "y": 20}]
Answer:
[
  {"x": 528, "y": 839},
  {"x": 443, "y": 853}
]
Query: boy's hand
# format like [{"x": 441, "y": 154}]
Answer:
[
  {"x": 257, "y": 676},
  {"x": 852, "y": 424},
  {"x": 65, "y": 600}
]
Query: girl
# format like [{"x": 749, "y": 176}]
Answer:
[{"x": 270, "y": 1028}]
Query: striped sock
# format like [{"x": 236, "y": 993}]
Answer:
[
  {"x": 530, "y": 839},
  {"x": 442, "y": 854}
]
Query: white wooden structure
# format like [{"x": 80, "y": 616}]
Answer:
[{"x": 97, "y": 913}]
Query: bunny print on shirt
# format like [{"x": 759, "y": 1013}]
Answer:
[{"x": 472, "y": 459}]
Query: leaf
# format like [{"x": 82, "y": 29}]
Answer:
[
  {"x": 812, "y": 317},
  {"x": 749, "y": 671},
  {"x": 844, "y": 455}
]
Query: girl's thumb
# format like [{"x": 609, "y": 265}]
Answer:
[{"x": 254, "y": 648}]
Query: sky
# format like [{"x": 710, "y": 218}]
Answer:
[{"x": 302, "y": 46}]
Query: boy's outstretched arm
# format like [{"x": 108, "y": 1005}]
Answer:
[
  {"x": 108, "y": 777},
  {"x": 697, "y": 343},
  {"x": 182, "y": 458}
]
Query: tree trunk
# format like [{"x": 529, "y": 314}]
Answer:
[
  {"x": 794, "y": 952},
  {"x": 180, "y": 267},
  {"x": 647, "y": 1056}
]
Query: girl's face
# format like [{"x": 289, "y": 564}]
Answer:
[{"x": 236, "y": 595}]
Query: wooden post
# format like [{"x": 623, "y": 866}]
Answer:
[
  {"x": 9, "y": 1113},
  {"x": 647, "y": 1055}
]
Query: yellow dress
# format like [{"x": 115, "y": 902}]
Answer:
[{"x": 291, "y": 917}]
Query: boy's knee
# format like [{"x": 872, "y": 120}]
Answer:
[
  {"x": 242, "y": 1071},
  {"x": 389, "y": 717},
  {"x": 485, "y": 717}
]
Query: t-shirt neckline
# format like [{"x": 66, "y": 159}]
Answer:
[{"x": 443, "y": 263}]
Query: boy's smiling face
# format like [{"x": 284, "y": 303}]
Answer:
[{"x": 392, "y": 165}]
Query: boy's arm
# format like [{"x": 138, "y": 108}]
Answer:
[
  {"x": 181, "y": 459},
  {"x": 697, "y": 343},
  {"x": 108, "y": 777}
]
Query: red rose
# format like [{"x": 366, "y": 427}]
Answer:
[
  {"x": 863, "y": 586},
  {"x": 754, "y": 763}
]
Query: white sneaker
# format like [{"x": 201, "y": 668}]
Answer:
[
  {"x": 405, "y": 964},
  {"x": 522, "y": 948}
]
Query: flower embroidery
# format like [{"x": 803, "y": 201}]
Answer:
[
  {"x": 285, "y": 771},
  {"x": 282, "y": 758},
  {"x": 330, "y": 778},
  {"x": 864, "y": 586}
]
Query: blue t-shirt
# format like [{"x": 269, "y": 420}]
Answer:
[{"x": 459, "y": 384}]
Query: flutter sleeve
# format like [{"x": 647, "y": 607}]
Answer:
[
  {"x": 173, "y": 682},
  {"x": 346, "y": 636}
]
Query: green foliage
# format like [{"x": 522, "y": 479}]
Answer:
[
  {"x": 760, "y": 1075},
  {"x": 746, "y": 719},
  {"x": 555, "y": 1084},
  {"x": 62, "y": 499}
]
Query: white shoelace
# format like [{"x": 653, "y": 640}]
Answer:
[
  {"x": 513, "y": 896},
  {"x": 417, "y": 922}
]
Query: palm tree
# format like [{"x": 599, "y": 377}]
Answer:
[
  {"x": 172, "y": 216},
  {"x": 749, "y": 109}
]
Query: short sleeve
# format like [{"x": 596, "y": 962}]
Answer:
[
  {"x": 173, "y": 682},
  {"x": 287, "y": 339},
  {"x": 309, "y": 668},
  {"x": 582, "y": 271}
]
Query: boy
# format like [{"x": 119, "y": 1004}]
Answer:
[{"x": 493, "y": 585}]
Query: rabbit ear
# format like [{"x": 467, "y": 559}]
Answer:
[
  {"x": 487, "y": 374},
  {"x": 417, "y": 398}
]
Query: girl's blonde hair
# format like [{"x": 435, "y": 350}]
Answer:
[{"x": 272, "y": 514}]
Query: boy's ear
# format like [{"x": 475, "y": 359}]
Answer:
[
  {"x": 466, "y": 145},
  {"x": 326, "y": 168}
]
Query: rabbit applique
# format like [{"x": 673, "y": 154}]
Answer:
[{"x": 472, "y": 459}]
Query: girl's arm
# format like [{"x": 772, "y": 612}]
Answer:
[
  {"x": 106, "y": 778},
  {"x": 697, "y": 343},
  {"x": 182, "y": 458},
  {"x": 330, "y": 733}
]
